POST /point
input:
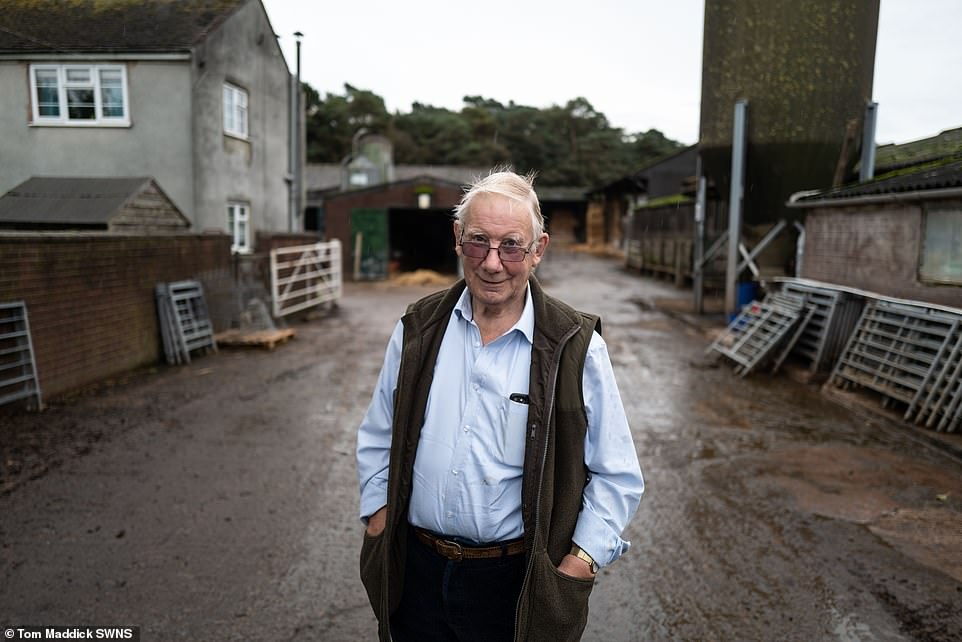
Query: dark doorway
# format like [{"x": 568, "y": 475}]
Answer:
[
  {"x": 422, "y": 240},
  {"x": 314, "y": 220}
]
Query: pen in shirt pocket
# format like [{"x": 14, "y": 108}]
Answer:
[{"x": 519, "y": 397}]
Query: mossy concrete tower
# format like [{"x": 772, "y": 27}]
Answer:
[{"x": 806, "y": 68}]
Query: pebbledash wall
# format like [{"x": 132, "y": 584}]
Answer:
[{"x": 90, "y": 297}]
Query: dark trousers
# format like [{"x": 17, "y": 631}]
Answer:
[{"x": 451, "y": 601}]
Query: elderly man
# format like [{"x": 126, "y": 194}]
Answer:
[{"x": 496, "y": 466}]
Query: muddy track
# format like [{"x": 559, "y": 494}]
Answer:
[{"x": 218, "y": 501}]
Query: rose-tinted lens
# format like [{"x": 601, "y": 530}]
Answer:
[
  {"x": 512, "y": 253},
  {"x": 474, "y": 249}
]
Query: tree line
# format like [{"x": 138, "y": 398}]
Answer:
[{"x": 572, "y": 145}]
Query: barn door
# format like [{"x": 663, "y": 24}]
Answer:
[{"x": 369, "y": 243}]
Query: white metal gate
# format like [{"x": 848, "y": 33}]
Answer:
[{"x": 304, "y": 276}]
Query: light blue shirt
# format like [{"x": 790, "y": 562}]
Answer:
[{"x": 468, "y": 468}]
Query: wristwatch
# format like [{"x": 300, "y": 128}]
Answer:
[{"x": 579, "y": 552}]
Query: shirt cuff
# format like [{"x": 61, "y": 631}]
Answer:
[
  {"x": 373, "y": 498},
  {"x": 595, "y": 538}
]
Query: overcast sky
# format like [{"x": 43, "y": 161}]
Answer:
[{"x": 637, "y": 61}]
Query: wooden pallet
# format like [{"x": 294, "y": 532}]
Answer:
[{"x": 263, "y": 338}]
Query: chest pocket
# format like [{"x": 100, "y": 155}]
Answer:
[{"x": 514, "y": 432}]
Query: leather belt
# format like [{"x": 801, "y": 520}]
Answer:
[{"x": 457, "y": 552}]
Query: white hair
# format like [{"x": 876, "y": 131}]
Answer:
[{"x": 504, "y": 182}]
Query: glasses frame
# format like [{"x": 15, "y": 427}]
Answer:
[{"x": 501, "y": 258}]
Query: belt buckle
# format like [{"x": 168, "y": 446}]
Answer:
[{"x": 450, "y": 550}]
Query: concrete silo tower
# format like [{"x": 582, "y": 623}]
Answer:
[{"x": 805, "y": 68}]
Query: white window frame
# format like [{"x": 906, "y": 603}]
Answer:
[
  {"x": 239, "y": 213},
  {"x": 941, "y": 247},
  {"x": 63, "y": 84},
  {"x": 235, "y": 101}
]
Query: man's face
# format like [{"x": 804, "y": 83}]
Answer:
[{"x": 495, "y": 220}]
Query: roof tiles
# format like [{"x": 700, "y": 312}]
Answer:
[
  {"x": 79, "y": 201},
  {"x": 108, "y": 26}
]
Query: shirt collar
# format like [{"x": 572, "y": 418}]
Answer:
[{"x": 525, "y": 324}]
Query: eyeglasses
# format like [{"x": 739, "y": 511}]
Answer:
[{"x": 507, "y": 253}]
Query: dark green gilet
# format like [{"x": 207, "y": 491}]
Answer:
[{"x": 552, "y": 607}]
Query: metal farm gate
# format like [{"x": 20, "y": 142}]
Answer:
[{"x": 304, "y": 276}]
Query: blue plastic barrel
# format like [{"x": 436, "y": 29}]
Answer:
[{"x": 744, "y": 294}]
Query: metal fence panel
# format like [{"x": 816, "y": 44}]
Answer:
[
  {"x": 761, "y": 327},
  {"x": 184, "y": 320},
  {"x": 908, "y": 354},
  {"x": 18, "y": 367}
]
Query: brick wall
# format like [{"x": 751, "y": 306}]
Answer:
[
  {"x": 90, "y": 298},
  {"x": 872, "y": 247}
]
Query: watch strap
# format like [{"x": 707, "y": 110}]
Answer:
[{"x": 580, "y": 553}]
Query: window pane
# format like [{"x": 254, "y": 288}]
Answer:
[
  {"x": 78, "y": 75},
  {"x": 228, "y": 109},
  {"x": 112, "y": 102},
  {"x": 235, "y": 110},
  {"x": 46, "y": 77},
  {"x": 237, "y": 224},
  {"x": 48, "y": 101},
  {"x": 942, "y": 253},
  {"x": 80, "y": 104},
  {"x": 110, "y": 78},
  {"x": 111, "y": 93},
  {"x": 241, "y": 121},
  {"x": 48, "y": 97}
]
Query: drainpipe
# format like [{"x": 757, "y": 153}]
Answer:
[
  {"x": 298, "y": 137},
  {"x": 291, "y": 138},
  {"x": 698, "y": 279},
  {"x": 737, "y": 190},
  {"x": 799, "y": 249},
  {"x": 867, "y": 167}
]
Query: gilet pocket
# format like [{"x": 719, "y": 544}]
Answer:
[{"x": 372, "y": 569}]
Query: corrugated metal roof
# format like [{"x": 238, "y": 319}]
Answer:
[
  {"x": 462, "y": 174},
  {"x": 75, "y": 201},
  {"x": 638, "y": 181},
  {"x": 118, "y": 26},
  {"x": 323, "y": 180},
  {"x": 560, "y": 193},
  {"x": 324, "y": 176},
  {"x": 892, "y": 156},
  {"x": 939, "y": 175},
  {"x": 414, "y": 180}
]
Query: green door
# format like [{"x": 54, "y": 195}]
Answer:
[{"x": 369, "y": 242}]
